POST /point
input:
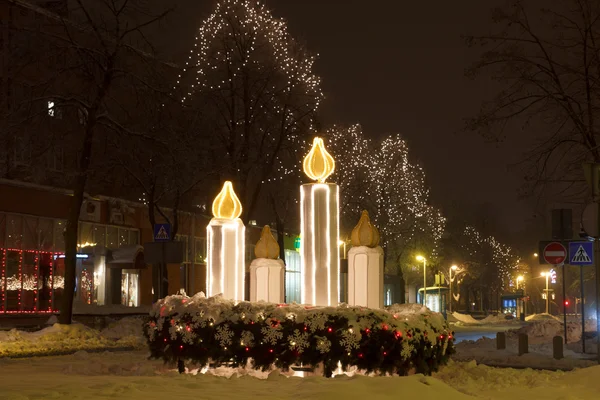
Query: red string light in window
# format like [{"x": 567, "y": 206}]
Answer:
[{"x": 3, "y": 282}]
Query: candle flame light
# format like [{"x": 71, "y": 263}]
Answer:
[
  {"x": 227, "y": 205},
  {"x": 318, "y": 163}
]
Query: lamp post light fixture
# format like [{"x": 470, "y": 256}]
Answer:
[
  {"x": 547, "y": 276},
  {"x": 421, "y": 258},
  {"x": 519, "y": 279},
  {"x": 535, "y": 255}
]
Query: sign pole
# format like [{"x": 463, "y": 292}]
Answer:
[
  {"x": 582, "y": 310},
  {"x": 598, "y": 278},
  {"x": 592, "y": 171},
  {"x": 564, "y": 295}
]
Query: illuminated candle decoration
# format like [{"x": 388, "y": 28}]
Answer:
[
  {"x": 226, "y": 269},
  {"x": 267, "y": 271},
  {"x": 365, "y": 266},
  {"x": 319, "y": 219}
]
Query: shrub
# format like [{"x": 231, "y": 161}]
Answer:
[{"x": 219, "y": 332}]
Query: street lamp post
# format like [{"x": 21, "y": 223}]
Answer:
[
  {"x": 547, "y": 275},
  {"x": 421, "y": 258}
]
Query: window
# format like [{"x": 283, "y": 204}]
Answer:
[
  {"x": 123, "y": 237},
  {"x": 292, "y": 277},
  {"x": 86, "y": 234},
  {"x": 14, "y": 231},
  {"x": 2, "y": 229},
  {"x": 13, "y": 280},
  {"x": 112, "y": 237},
  {"x": 54, "y": 110},
  {"x": 200, "y": 256},
  {"x": 249, "y": 253},
  {"x": 56, "y": 159},
  {"x": 45, "y": 231},
  {"x": 59, "y": 235},
  {"x": 134, "y": 237},
  {"x": 99, "y": 234},
  {"x": 22, "y": 151},
  {"x": 186, "y": 247},
  {"x": 30, "y": 237},
  {"x": 129, "y": 288}
]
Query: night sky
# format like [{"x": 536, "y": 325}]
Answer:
[{"x": 398, "y": 66}]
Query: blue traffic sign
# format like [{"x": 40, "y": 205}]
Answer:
[
  {"x": 162, "y": 232},
  {"x": 581, "y": 253}
]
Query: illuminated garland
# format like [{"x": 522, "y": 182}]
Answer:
[
  {"x": 26, "y": 284},
  {"x": 219, "y": 332}
]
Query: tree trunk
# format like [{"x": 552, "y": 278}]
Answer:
[
  {"x": 72, "y": 228},
  {"x": 66, "y": 309},
  {"x": 402, "y": 288}
]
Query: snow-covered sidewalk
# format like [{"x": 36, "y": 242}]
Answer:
[{"x": 131, "y": 376}]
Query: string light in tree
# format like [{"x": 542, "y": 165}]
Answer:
[
  {"x": 492, "y": 256},
  {"x": 402, "y": 199},
  {"x": 246, "y": 66}
]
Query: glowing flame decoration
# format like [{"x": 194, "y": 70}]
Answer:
[
  {"x": 318, "y": 164},
  {"x": 267, "y": 246},
  {"x": 365, "y": 233},
  {"x": 226, "y": 204}
]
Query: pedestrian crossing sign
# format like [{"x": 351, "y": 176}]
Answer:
[
  {"x": 162, "y": 232},
  {"x": 581, "y": 253}
]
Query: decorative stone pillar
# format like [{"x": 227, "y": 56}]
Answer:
[
  {"x": 225, "y": 266},
  {"x": 365, "y": 266},
  {"x": 320, "y": 226},
  {"x": 267, "y": 270}
]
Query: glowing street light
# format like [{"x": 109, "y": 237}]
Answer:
[
  {"x": 421, "y": 258},
  {"x": 535, "y": 254},
  {"x": 519, "y": 279},
  {"x": 547, "y": 275}
]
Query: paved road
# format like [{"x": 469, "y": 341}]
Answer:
[{"x": 477, "y": 332}]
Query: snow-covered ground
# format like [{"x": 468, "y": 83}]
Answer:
[
  {"x": 59, "y": 339},
  {"x": 129, "y": 375},
  {"x": 540, "y": 329}
]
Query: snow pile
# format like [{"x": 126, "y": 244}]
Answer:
[
  {"x": 465, "y": 319},
  {"x": 61, "y": 339},
  {"x": 546, "y": 328},
  {"x": 542, "y": 317},
  {"x": 128, "y": 330},
  {"x": 218, "y": 331}
]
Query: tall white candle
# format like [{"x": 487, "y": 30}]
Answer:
[
  {"x": 319, "y": 249},
  {"x": 225, "y": 264},
  {"x": 320, "y": 226}
]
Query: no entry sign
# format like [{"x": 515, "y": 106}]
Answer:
[{"x": 554, "y": 253}]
